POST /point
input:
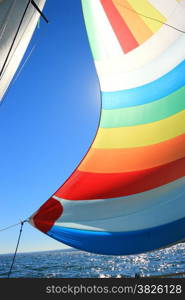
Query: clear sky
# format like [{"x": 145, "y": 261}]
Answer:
[{"x": 48, "y": 120}]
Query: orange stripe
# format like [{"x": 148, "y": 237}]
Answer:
[
  {"x": 136, "y": 25},
  {"x": 123, "y": 33},
  {"x": 126, "y": 160}
]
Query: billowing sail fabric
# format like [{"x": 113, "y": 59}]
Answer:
[
  {"x": 128, "y": 194},
  {"x": 14, "y": 40}
]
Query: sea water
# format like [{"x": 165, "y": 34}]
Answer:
[{"x": 77, "y": 264}]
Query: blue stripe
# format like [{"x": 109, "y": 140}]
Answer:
[
  {"x": 121, "y": 243},
  {"x": 153, "y": 91}
]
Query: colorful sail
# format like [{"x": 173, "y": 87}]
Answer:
[
  {"x": 18, "y": 20},
  {"x": 127, "y": 195}
]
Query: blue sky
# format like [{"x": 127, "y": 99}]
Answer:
[{"x": 48, "y": 120}]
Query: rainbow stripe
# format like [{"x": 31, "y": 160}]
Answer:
[{"x": 121, "y": 198}]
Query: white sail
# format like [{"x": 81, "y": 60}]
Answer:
[{"x": 18, "y": 19}]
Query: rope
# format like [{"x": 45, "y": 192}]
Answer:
[
  {"x": 6, "y": 228},
  {"x": 22, "y": 223},
  {"x": 40, "y": 12}
]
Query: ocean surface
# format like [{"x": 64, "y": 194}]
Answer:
[{"x": 77, "y": 264}]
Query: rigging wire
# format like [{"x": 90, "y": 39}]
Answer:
[
  {"x": 19, "y": 71},
  {"x": 11, "y": 226},
  {"x": 16, "y": 249}
]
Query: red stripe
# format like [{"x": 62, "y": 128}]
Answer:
[
  {"x": 47, "y": 214},
  {"x": 124, "y": 35},
  {"x": 86, "y": 186}
]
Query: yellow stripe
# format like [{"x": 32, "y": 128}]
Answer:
[
  {"x": 141, "y": 135},
  {"x": 136, "y": 25},
  {"x": 145, "y": 8}
]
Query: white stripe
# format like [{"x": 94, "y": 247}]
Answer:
[
  {"x": 106, "y": 34},
  {"x": 148, "y": 51},
  {"x": 150, "y": 72},
  {"x": 145, "y": 210}
]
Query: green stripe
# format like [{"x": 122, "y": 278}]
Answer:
[
  {"x": 146, "y": 113},
  {"x": 96, "y": 49}
]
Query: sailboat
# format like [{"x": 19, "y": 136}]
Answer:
[
  {"x": 18, "y": 20},
  {"x": 127, "y": 194}
]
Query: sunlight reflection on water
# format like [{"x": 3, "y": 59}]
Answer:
[{"x": 78, "y": 264}]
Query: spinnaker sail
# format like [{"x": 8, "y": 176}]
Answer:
[
  {"x": 127, "y": 196},
  {"x": 18, "y": 19}
]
